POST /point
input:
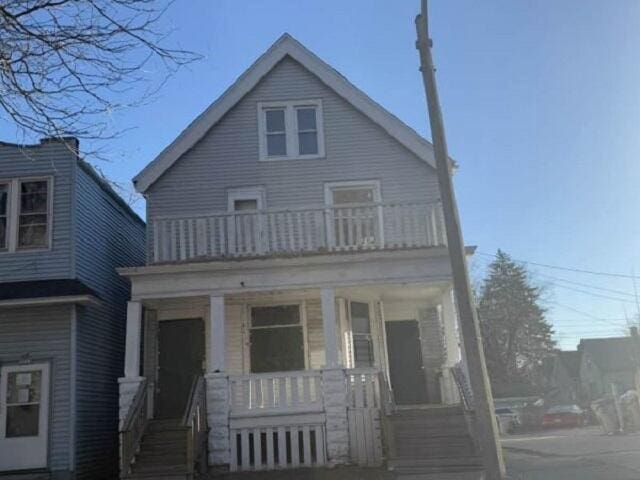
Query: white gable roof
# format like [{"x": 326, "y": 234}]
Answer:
[{"x": 285, "y": 45}]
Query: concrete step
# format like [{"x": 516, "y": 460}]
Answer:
[{"x": 445, "y": 463}]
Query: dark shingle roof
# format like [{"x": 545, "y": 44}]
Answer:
[
  {"x": 44, "y": 289},
  {"x": 570, "y": 359},
  {"x": 609, "y": 354}
]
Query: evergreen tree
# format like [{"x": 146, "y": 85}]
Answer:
[{"x": 516, "y": 335}]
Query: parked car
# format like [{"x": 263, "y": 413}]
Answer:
[
  {"x": 508, "y": 420},
  {"x": 564, "y": 416}
]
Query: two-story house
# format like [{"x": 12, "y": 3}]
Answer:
[
  {"x": 296, "y": 308},
  {"x": 63, "y": 233},
  {"x": 606, "y": 363}
]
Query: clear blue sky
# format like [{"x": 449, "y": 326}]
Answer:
[{"x": 541, "y": 103}]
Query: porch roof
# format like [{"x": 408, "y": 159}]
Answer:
[{"x": 45, "y": 291}]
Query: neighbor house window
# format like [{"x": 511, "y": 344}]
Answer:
[
  {"x": 25, "y": 214},
  {"x": 4, "y": 213},
  {"x": 33, "y": 216},
  {"x": 276, "y": 338},
  {"x": 361, "y": 335},
  {"x": 290, "y": 130}
]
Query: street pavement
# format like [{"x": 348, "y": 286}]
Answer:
[{"x": 580, "y": 454}]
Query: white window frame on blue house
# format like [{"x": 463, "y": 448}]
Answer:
[{"x": 13, "y": 214}]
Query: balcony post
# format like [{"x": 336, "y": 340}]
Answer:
[{"x": 217, "y": 384}]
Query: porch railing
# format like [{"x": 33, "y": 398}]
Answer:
[
  {"x": 371, "y": 226},
  {"x": 282, "y": 392},
  {"x": 363, "y": 415},
  {"x": 195, "y": 418},
  {"x": 133, "y": 429}
]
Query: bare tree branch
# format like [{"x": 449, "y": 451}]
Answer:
[{"x": 67, "y": 65}]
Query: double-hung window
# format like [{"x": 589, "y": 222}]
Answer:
[
  {"x": 291, "y": 130},
  {"x": 33, "y": 214},
  {"x": 25, "y": 214},
  {"x": 276, "y": 336}
]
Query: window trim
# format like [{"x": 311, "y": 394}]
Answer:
[
  {"x": 246, "y": 193},
  {"x": 329, "y": 187},
  {"x": 372, "y": 333},
  {"x": 291, "y": 129},
  {"x": 377, "y": 198},
  {"x": 13, "y": 214},
  {"x": 246, "y": 357},
  {"x": 7, "y": 215}
]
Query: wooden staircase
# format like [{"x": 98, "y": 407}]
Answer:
[
  {"x": 432, "y": 442},
  {"x": 163, "y": 452}
]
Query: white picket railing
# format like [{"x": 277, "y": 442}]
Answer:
[
  {"x": 321, "y": 229},
  {"x": 282, "y": 392},
  {"x": 277, "y": 446}
]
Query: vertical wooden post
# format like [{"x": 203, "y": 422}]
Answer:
[
  {"x": 330, "y": 328},
  {"x": 217, "y": 349},
  {"x": 487, "y": 429},
  {"x": 132, "y": 342}
]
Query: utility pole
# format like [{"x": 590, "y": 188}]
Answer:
[{"x": 486, "y": 426}]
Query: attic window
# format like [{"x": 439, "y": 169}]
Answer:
[{"x": 291, "y": 130}]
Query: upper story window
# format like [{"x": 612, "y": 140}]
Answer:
[
  {"x": 4, "y": 211},
  {"x": 291, "y": 130},
  {"x": 25, "y": 214},
  {"x": 33, "y": 214}
]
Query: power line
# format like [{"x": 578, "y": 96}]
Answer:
[
  {"x": 586, "y": 285},
  {"x": 567, "y": 269},
  {"x": 592, "y": 317},
  {"x": 599, "y": 295}
]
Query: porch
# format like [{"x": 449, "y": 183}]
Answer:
[{"x": 295, "y": 378}]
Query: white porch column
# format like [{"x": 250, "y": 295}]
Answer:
[
  {"x": 330, "y": 327},
  {"x": 217, "y": 384},
  {"x": 129, "y": 384},
  {"x": 449, "y": 320},
  {"x": 217, "y": 337},
  {"x": 334, "y": 387},
  {"x": 132, "y": 344}
]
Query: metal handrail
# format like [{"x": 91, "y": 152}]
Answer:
[
  {"x": 133, "y": 428},
  {"x": 195, "y": 419}
]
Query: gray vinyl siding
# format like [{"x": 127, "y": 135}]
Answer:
[
  {"x": 57, "y": 161},
  {"x": 107, "y": 237},
  {"x": 44, "y": 334},
  {"x": 227, "y": 157}
]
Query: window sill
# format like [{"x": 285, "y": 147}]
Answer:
[
  {"x": 18, "y": 251},
  {"x": 299, "y": 157}
]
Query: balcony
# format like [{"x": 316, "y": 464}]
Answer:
[{"x": 281, "y": 232}]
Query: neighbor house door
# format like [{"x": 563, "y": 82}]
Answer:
[
  {"x": 24, "y": 416},
  {"x": 180, "y": 357},
  {"x": 406, "y": 369}
]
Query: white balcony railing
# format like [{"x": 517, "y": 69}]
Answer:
[{"x": 276, "y": 232}]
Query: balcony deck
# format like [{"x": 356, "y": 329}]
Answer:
[{"x": 278, "y": 232}]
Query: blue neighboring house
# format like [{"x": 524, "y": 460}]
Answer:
[{"x": 63, "y": 233}]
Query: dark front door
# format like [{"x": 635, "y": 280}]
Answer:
[
  {"x": 405, "y": 363},
  {"x": 181, "y": 353}
]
